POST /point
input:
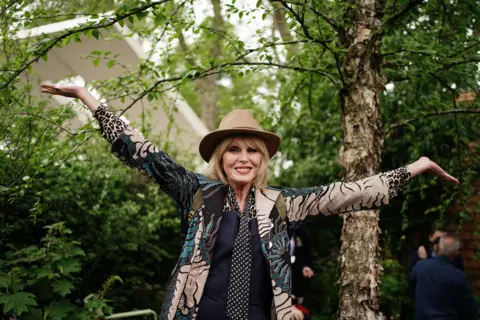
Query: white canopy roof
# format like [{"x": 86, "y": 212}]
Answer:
[{"x": 67, "y": 62}]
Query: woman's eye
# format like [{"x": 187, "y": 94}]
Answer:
[
  {"x": 233, "y": 149},
  {"x": 252, "y": 150}
]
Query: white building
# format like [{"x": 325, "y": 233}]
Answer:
[{"x": 66, "y": 63}]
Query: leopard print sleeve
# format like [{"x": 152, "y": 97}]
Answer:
[
  {"x": 342, "y": 197},
  {"x": 136, "y": 152}
]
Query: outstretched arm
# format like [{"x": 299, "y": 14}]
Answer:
[
  {"x": 133, "y": 149},
  {"x": 369, "y": 193}
]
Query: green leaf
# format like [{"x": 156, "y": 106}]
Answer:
[
  {"x": 59, "y": 309},
  {"x": 111, "y": 63},
  {"x": 63, "y": 287},
  {"x": 96, "y": 62},
  {"x": 96, "y": 33},
  {"x": 33, "y": 314},
  {"x": 18, "y": 302},
  {"x": 43, "y": 272},
  {"x": 69, "y": 266},
  {"x": 4, "y": 281},
  {"x": 141, "y": 15}
]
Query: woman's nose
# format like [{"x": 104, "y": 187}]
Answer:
[{"x": 244, "y": 156}]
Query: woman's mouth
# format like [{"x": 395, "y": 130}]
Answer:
[{"x": 243, "y": 170}]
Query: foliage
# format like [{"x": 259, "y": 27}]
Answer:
[
  {"x": 116, "y": 220},
  {"x": 64, "y": 178},
  {"x": 48, "y": 270}
]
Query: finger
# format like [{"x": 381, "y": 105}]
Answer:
[
  {"x": 54, "y": 92},
  {"x": 48, "y": 86},
  {"x": 50, "y": 91},
  {"x": 451, "y": 178},
  {"x": 52, "y": 87}
]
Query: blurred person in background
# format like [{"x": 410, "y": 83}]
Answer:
[
  {"x": 442, "y": 291},
  {"x": 301, "y": 257},
  {"x": 423, "y": 253}
]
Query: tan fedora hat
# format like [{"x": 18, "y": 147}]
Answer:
[{"x": 238, "y": 122}]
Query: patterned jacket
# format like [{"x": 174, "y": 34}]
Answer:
[{"x": 191, "y": 271}]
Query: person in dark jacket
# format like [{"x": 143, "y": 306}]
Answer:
[
  {"x": 301, "y": 263},
  {"x": 422, "y": 253},
  {"x": 442, "y": 291}
]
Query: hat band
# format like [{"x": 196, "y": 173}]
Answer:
[{"x": 249, "y": 128}]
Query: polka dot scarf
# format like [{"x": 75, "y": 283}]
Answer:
[{"x": 239, "y": 282}]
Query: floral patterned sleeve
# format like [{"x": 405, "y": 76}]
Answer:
[
  {"x": 133, "y": 149},
  {"x": 340, "y": 197}
]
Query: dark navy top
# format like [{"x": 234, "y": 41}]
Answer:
[
  {"x": 214, "y": 299},
  {"x": 443, "y": 292}
]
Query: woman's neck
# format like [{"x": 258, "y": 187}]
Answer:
[{"x": 241, "y": 194}]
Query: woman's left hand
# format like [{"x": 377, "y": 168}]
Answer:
[
  {"x": 424, "y": 164},
  {"x": 297, "y": 314}
]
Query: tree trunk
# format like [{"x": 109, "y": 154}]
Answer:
[
  {"x": 359, "y": 258},
  {"x": 208, "y": 85},
  {"x": 280, "y": 21}
]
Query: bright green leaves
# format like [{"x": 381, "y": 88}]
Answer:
[
  {"x": 17, "y": 302},
  {"x": 108, "y": 56}
]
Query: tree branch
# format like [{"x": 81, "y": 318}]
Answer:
[
  {"x": 111, "y": 22},
  {"x": 330, "y": 21},
  {"x": 433, "y": 114},
  {"x": 398, "y": 15},
  {"x": 7, "y": 6},
  {"x": 302, "y": 24},
  {"x": 463, "y": 50},
  {"x": 47, "y": 120},
  {"x": 457, "y": 63},
  {"x": 220, "y": 68},
  {"x": 409, "y": 51}
]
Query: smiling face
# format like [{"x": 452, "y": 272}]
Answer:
[{"x": 241, "y": 162}]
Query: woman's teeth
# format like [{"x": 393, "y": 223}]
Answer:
[{"x": 243, "y": 170}]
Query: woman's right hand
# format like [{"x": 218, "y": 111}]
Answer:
[
  {"x": 65, "y": 91},
  {"x": 76, "y": 92}
]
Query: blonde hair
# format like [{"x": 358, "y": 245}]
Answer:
[{"x": 215, "y": 171}]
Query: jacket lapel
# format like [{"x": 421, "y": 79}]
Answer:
[
  {"x": 213, "y": 198},
  {"x": 275, "y": 245},
  {"x": 264, "y": 204}
]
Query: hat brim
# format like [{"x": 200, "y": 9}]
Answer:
[{"x": 211, "y": 140}]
